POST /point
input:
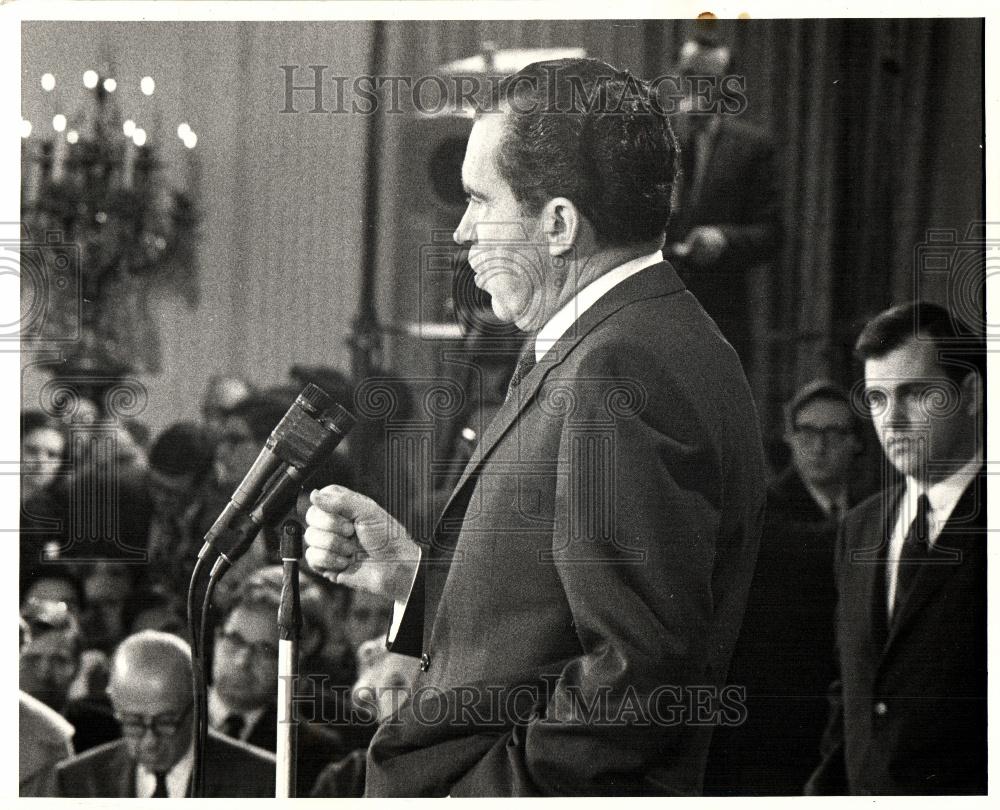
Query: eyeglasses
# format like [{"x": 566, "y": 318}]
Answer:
[
  {"x": 261, "y": 650},
  {"x": 814, "y": 435},
  {"x": 162, "y": 725}
]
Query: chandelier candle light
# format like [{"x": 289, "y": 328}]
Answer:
[{"x": 97, "y": 185}]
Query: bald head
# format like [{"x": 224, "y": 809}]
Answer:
[
  {"x": 152, "y": 658},
  {"x": 150, "y": 690}
]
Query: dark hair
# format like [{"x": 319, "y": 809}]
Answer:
[
  {"x": 181, "y": 449},
  {"x": 580, "y": 129},
  {"x": 35, "y": 419},
  {"x": 889, "y": 330},
  {"x": 262, "y": 412},
  {"x": 820, "y": 390}
]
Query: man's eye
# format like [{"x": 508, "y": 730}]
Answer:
[{"x": 876, "y": 399}]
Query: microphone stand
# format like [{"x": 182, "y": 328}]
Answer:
[{"x": 289, "y": 630}]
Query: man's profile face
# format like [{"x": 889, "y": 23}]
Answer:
[
  {"x": 47, "y": 666},
  {"x": 505, "y": 245},
  {"x": 925, "y": 423},
  {"x": 156, "y": 717},
  {"x": 822, "y": 442},
  {"x": 245, "y": 668}
]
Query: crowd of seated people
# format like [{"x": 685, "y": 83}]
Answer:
[{"x": 99, "y": 606}]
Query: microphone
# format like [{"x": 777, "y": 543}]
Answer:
[{"x": 306, "y": 435}]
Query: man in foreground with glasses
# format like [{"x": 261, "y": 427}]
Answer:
[{"x": 150, "y": 689}]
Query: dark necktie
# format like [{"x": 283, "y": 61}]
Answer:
[
  {"x": 232, "y": 726},
  {"x": 915, "y": 550},
  {"x": 836, "y": 513},
  {"x": 161, "y": 785},
  {"x": 524, "y": 364}
]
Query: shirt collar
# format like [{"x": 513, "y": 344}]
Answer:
[
  {"x": 825, "y": 502},
  {"x": 219, "y": 710},
  {"x": 177, "y": 777},
  {"x": 944, "y": 495},
  {"x": 571, "y": 311}
]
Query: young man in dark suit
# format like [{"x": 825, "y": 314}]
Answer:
[
  {"x": 150, "y": 689},
  {"x": 588, "y": 575},
  {"x": 909, "y": 709}
]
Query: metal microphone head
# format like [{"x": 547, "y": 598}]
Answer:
[{"x": 314, "y": 400}]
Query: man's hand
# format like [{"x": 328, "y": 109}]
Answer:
[
  {"x": 353, "y": 541},
  {"x": 703, "y": 245}
]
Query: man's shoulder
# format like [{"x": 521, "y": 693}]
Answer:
[
  {"x": 237, "y": 752},
  {"x": 42, "y": 723},
  {"x": 99, "y": 757}
]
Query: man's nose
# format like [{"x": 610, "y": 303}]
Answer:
[{"x": 463, "y": 233}]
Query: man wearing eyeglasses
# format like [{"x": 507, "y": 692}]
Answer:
[
  {"x": 150, "y": 689},
  {"x": 784, "y": 657},
  {"x": 242, "y": 699}
]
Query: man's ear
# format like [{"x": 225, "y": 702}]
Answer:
[
  {"x": 972, "y": 394},
  {"x": 561, "y": 223}
]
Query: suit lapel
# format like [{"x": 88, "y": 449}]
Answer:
[
  {"x": 957, "y": 541},
  {"x": 656, "y": 280},
  {"x": 877, "y": 593}
]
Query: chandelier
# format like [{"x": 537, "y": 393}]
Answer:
[{"x": 105, "y": 228}]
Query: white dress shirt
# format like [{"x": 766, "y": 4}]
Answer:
[
  {"x": 554, "y": 329},
  {"x": 573, "y": 309},
  {"x": 943, "y": 497},
  {"x": 177, "y": 778}
]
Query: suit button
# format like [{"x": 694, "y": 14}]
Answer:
[
  {"x": 881, "y": 709},
  {"x": 425, "y": 662}
]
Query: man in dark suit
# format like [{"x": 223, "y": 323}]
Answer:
[
  {"x": 576, "y": 607},
  {"x": 242, "y": 700},
  {"x": 784, "y": 656},
  {"x": 150, "y": 689},
  {"x": 728, "y": 216},
  {"x": 909, "y": 709}
]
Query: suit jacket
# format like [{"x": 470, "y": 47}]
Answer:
[
  {"x": 232, "y": 770},
  {"x": 908, "y": 715},
  {"x": 741, "y": 194},
  {"x": 596, "y": 552},
  {"x": 44, "y": 738},
  {"x": 784, "y": 657},
  {"x": 317, "y": 747}
]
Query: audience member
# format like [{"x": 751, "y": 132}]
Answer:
[
  {"x": 151, "y": 691},
  {"x": 44, "y": 738},
  {"x": 367, "y": 616},
  {"x": 58, "y": 585},
  {"x": 180, "y": 469},
  {"x": 384, "y": 682},
  {"x": 108, "y": 587},
  {"x": 50, "y": 661},
  {"x": 784, "y": 657},
  {"x": 909, "y": 708},
  {"x": 242, "y": 699},
  {"x": 44, "y": 465},
  {"x": 222, "y": 394}
]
